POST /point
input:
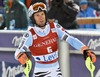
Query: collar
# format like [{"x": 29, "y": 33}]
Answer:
[{"x": 39, "y": 29}]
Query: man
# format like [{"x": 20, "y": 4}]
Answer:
[
  {"x": 86, "y": 11},
  {"x": 15, "y": 16},
  {"x": 1, "y": 3},
  {"x": 41, "y": 40}
]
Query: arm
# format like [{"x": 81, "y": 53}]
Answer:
[
  {"x": 64, "y": 35},
  {"x": 20, "y": 54},
  {"x": 24, "y": 45}
]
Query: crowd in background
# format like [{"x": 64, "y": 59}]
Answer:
[
  {"x": 63, "y": 12},
  {"x": 87, "y": 11}
]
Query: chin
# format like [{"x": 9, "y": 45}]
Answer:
[{"x": 41, "y": 25}]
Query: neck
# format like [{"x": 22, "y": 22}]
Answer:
[{"x": 42, "y": 27}]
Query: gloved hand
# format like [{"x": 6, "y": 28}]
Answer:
[
  {"x": 89, "y": 53},
  {"x": 24, "y": 59}
]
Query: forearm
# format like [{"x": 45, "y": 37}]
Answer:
[
  {"x": 25, "y": 43},
  {"x": 74, "y": 42}
]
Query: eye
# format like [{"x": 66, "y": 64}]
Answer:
[
  {"x": 42, "y": 14},
  {"x": 37, "y": 15}
]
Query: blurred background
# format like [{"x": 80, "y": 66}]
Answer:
[{"x": 83, "y": 24}]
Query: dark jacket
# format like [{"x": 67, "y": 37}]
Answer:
[
  {"x": 1, "y": 3},
  {"x": 64, "y": 13},
  {"x": 15, "y": 16}
]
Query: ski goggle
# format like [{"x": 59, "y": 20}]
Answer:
[
  {"x": 36, "y": 7},
  {"x": 39, "y": 5}
]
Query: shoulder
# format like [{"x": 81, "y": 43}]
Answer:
[
  {"x": 57, "y": 25},
  {"x": 91, "y": 9},
  {"x": 27, "y": 34},
  {"x": 31, "y": 29}
]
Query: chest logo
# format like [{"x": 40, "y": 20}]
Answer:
[{"x": 34, "y": 36}]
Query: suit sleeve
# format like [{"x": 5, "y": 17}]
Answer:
[
  {"x": 64, "y": 35},
  {"x": 25, "y": 43}
]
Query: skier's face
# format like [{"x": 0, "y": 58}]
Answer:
[{"x": 40, "y": 18}]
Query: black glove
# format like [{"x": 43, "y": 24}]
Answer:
[{"x": 89, "y": 53}]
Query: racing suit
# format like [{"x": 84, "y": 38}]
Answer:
[{"x": 42, "y": 44}]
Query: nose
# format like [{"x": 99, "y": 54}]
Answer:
[{"x": 41, "y": 17}]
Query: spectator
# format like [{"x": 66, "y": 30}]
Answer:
[
  {"x": 1, "y": 7},
  {"x": 1, "y": 3},
  {"x": 64, "y": 12},
  {"x": 22, "y": 1},
  {"x": 15, "y": 15},
  {"x": 27, "y": 3},
  {"x": 86, "y": 11},
  {"x": 1, "y": 11}
]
